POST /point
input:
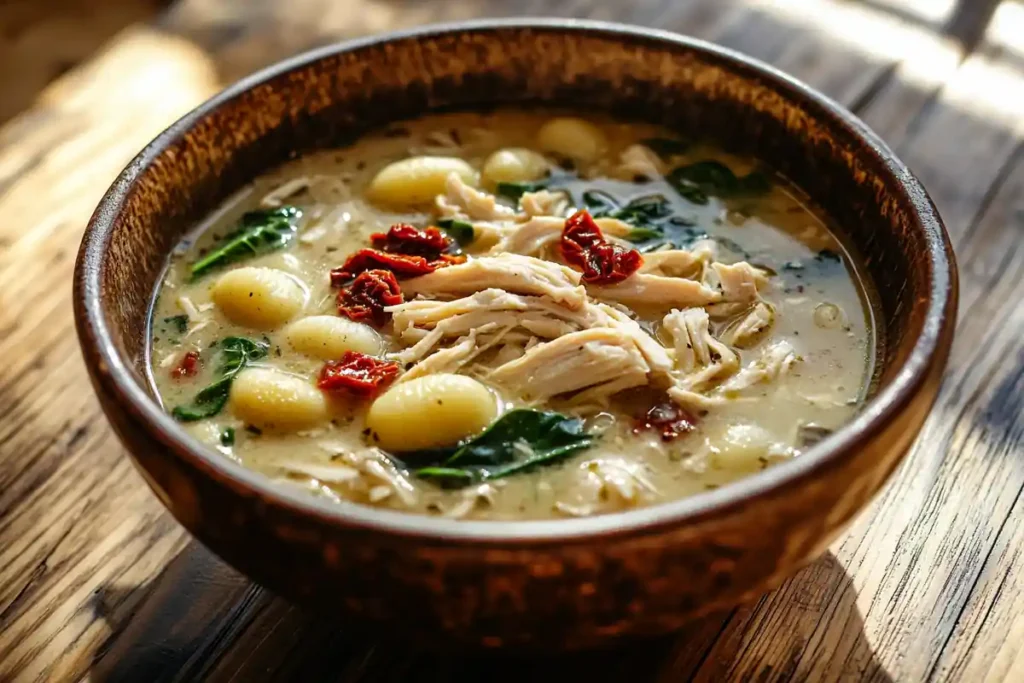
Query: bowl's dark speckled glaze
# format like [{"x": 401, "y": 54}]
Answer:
[{"x": 558, "y": 583}]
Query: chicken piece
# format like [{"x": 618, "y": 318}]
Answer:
[
  {"x": 511, "y": 272},
  {"x": 426, "y": 323},
  {"x": 752, "y": 326},
  {"x": 680, "y": 262},
  {"x": 448, "y": 360},
  {"x": 645, "y": 289},
  {"x": 640, "y": 160},
  {"x": 776, "y": 359},
  {"x": 532, "y": 238},
  {"x": 546, "y": 203},
  {"x": 740, "y": 281},
  {"x": 597, "y": 362},
  {"x": 655, "y": 354},
  {"x": 699, "y": 356},
  {"x": 462, "y": 201},
  {"x": 541, "y": 234}
]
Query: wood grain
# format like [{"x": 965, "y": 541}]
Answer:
[{"x": 97, "y": 582}]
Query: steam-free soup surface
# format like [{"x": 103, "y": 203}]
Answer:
[{"x": 606, "y": 316}]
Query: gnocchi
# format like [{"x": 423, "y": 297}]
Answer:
[
  {"x": 742, "y": 448},
  {"x": 263, "y": 298},
  {"x": 416, "y": 181},
  {"x": 274, "y": 400},
  {"x": 328, "y": 337},
  {"x": 430, "y": 412},
  {"x": 572, "y": 138},
  {"x": 514, "y": 165}
]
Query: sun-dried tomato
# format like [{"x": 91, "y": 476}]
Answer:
[
  {"x": 667, "y": 418},
  {"x": 602, "y": 262},
  {"x": 367, "y": 295},
  {"x": 401, "y": 265},
  {"x": 403, "y": 238},
  {"x": 188, "y": 367},
  {"x": 358, "y": 374}
]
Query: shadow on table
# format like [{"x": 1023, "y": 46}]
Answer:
[{"x": 199, "y": 620}]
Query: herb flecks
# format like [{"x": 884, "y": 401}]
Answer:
[
  {"x": 518, "y": 441},
  {"x": 258, "y": 232},
  {"x": 235, "y": 354}
]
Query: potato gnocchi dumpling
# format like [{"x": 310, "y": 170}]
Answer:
[
  {"x": 416, "y": 181},
  {"x": 262, "y": 298},
  {"x": 328, "y": 337},
  {"x": 514, "y": 165},
  {"x": 429, "y": 412},
  {"x": 572, "y": 138},
  {"x": 273, "y": 400}
]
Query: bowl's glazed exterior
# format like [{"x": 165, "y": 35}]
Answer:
[{"x": 551, "y": 583}]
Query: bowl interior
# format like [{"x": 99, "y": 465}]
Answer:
[{"x": 328, "y": 98}]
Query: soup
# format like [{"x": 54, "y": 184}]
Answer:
[{"x": 512, "y": 316}]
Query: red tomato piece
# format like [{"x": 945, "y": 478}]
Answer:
[
  {"x": 367, "y": 295},
  {"x": 188, "y": 367},
  {"x": 358, "y": 374},
  {"x": 603, "y": 263},
  {"x": 667, "y": 418},
  {"x": 403, "y": 238}
]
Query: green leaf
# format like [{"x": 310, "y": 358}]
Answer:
[
  {"x": 600, "y": 203},
  {"x": 637, "y": 235},
  {"x": 235, "y": 354},
  {"x": 227, "y": 437},
  {"x": 258, "y": 232},
  {"x": 666, "y": 147},
  {"x": 178, "y": 322},
  {"x": 517, "y": 441},
  {"x": 696, "y": 182},
  {"x": 515, "y": 191},
  {"x": 461, "y": 231}
]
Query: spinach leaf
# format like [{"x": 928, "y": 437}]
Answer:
[
  {"x": 696, "y": 182},
  {"x": 600, "y": 203},
  {"x": 515, "y": 191},
  {"x": 178, "y": 322},
  {"x": 666, "y": 147},
  {"x": 227, "y": 437},
  {"x": 258, "y": 233},
  {"x": 461, "y": 231},
  {"x": 517, "y": 441},
  {"x": 637, "y": 235},
  {"x": 643, "y": 210},
  {"x": 235, "y": 354}
]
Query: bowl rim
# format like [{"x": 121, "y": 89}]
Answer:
[{"x": 116, "y": 377}]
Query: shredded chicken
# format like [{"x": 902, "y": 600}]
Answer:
[
  {"x": 680, "y": 262},
  {"x": 511, "y": 272},
  {"x": 644, "y": 289},
  {"x": 538, "y": 235},
  {"x": 739, "y": 281},
  {"x": 700, "y": 357},
  {"x": 597, "y": 362},
  {"x": 752, "y": 326},
  {"x": 640, "y": 160},
  {"x": 368, "y": 474},
  {"x": 462, "y": 201},
  {"x": 545, "y": 203},
  {"x": 278, "y": 195},
  {"x": 776, "y": 359},
  {"x": 445, "y": 360}
]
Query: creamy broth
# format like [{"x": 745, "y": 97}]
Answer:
[{"x": 791, "y": 342}]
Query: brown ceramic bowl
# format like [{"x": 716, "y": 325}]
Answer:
[{"x": 567, "y": 582}]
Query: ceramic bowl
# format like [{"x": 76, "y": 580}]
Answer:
[{"x": 573, "y": 582}]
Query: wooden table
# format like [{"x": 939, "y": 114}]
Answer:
[{"x": 97, "y": 582}]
